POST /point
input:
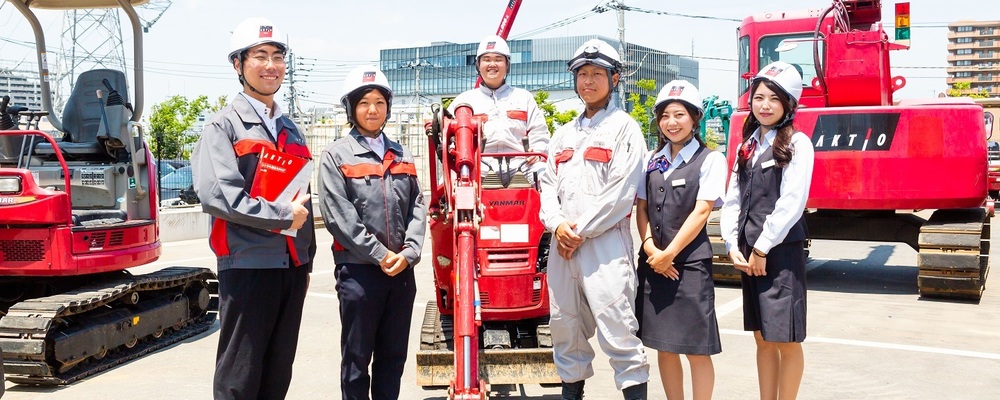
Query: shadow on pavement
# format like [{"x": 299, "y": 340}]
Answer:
[{"x": 869, "y": 275}]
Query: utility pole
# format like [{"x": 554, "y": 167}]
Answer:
[
  {"x": 416, "y": 91},
  {"x": 417, "y": 65},
  {"x": 620, "y": 6},
  {"x": 292, "y": 92}
]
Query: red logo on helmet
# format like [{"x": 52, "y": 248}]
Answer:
[
  {"x": 774, "y": 71},
  {"x": 266, "y": 31},
  {"x": 368, "y": 76},
  {"x": 676, "y": 90},
  {"x": 490, "y": 45}
]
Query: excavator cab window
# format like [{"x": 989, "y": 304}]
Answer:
[
  {"x": 744, "y": 45},
  {"x": 795, "y": 49}
]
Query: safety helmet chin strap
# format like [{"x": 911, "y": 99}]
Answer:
[
  {"x": 611, "y": 84},
  {"x": 245, "y": 82}
]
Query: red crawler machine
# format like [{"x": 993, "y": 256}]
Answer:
[
  {"x": 489, "y": 322},
  {"x": 75, "y": 214},
  {"x": 877, "y": 161}
]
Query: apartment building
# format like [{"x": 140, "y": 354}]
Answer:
[{"x": 974, "y": 56}]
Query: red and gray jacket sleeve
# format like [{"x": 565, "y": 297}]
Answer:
[{"x": 416, "y": 225}]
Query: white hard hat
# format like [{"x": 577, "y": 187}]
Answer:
[
  {"x": 784, "y": 75},
  {"x": 252, "y": 32},
  {"x": 361, "y": 77},
  {"x": 493, "y": 44},
  {"x": 679, "y": 90},
  {"x": 597, "y": 52}
]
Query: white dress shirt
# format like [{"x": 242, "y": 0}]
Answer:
[
  {"x": 796, "y": 179},
  {"x": 264, "y": 112},
  {"x": 711, "y": 177}
]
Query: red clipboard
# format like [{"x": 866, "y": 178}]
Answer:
[{"x": 280, "y": 177}]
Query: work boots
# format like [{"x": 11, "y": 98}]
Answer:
[
  {"x": 572, "y": 391},
  {"x": 637, "y": 392}
]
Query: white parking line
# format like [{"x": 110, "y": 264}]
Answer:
[
  {"x": 737, "y": 303},
  {"x": 178, "y": 262},
  {"x": 322, "y": 295},
  {"x": 883, "y": 345}
]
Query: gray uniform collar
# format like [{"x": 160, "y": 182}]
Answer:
[
  {"x": 504, "y": 88},
  {"x": 248, "y": 115},
  {"x": 360, "y": 146}
]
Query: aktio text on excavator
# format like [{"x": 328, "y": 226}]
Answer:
[
  {"x": 876, "y": 161},
  {"x": 75, "y": 214}
]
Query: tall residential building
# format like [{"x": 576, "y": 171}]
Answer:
[
  {"x": 444, "y": 69},
  {"x": 974, "y": 55},
  {"x": 22, "y": 87}
]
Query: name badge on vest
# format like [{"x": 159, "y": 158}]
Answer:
[
  {"x": 767, "y": 164},
  {"x": 677, "y": 182}
]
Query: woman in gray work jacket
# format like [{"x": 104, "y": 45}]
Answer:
[{"x": 372, "y": 204}]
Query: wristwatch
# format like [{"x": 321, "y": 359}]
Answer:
[{"x": 759, "y": 253}]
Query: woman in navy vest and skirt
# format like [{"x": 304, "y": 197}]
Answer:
[
  {"x": 764, "y": 231},
  {"x": 676, "y": 305}
]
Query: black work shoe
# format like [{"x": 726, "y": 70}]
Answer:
[
  {"x": 572, "y": 391},
  {"x": 637, "y": 392}
]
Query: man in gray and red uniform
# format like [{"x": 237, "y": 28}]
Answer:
[{"x": 263, "y": 275}]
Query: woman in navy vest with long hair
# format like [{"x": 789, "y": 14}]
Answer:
[
  {"x": 684, "y": 180},
  {"x": 764, "y": 230}
]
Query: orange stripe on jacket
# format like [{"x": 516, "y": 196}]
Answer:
[
  {"x": 599, "y": 154},
  {"x": 563, "y": 156},
  {"x": 251, "y": 146},
  {"x": 519, "y": 115},
  {"x": 403, "y": 168},
  {"x": 361, "y": 170}
]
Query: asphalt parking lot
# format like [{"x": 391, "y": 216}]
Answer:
[{"x": 870, "y": 336}]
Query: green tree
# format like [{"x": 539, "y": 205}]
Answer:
[
  {"x": 220, "y": 102},
  {"x": 169, "y": 122},
  {"x": 642, "y": 111},
  {"x": 958, "y": 88},
  {"x": 553, "y": 118},
  {"x": 711, "y": 138}
]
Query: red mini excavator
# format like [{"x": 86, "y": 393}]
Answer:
[
  {"x": 489, "y": 322},
  {"x": 75, "y": 213}
]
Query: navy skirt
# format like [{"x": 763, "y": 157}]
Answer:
[
  {"x": 678, "y": 316},
  {"x": 775, "y": 304}
]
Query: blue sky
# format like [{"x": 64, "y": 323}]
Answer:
[{"x": 186, "y": 49}]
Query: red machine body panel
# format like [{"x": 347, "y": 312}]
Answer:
[
  {"x": 47, "y": 244},
  {"x": 892, "y": 157},
  {"x": 506, "y": 251}
]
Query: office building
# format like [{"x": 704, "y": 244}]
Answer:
[{"x": 443, "y": 70}]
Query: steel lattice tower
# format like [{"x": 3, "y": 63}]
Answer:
[{"x": 93, "y": 39}]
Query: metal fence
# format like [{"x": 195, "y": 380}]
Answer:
[{"x": 319, "y": 136}]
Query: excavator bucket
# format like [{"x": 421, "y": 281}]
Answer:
[
  {"x": 436, "y": 362},
  {"x": 496, "y": 367}
]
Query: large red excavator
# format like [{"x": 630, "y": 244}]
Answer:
[
  {"x": 75, "y": 213},
  {"x": 877, "y": 161}
]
